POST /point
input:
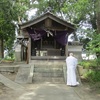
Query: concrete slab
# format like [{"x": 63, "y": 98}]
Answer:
[
  {"x": 7, "y": 82},
  {"x": 23, "y": 73}
]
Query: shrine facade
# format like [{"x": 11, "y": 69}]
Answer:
[{"x": 44, "y": 37}]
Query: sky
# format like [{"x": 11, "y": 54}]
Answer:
[{"x": 31, "y": 13}]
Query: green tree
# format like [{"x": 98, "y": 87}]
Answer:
[
  {"x": 97, "y": 6},
  {"x": 20, "y": 7},
  {"x": 94, "y": 44},
  {"x": 11, "y": 11},
  {"x": 6, "y": 27},
  {"x": 55, "y": 6}
]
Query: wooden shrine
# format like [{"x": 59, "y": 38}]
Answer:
[{"x": 45, "y": 37}]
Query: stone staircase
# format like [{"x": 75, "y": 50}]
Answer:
[
  {"x": 48, "y": 72},
  {"x": 41, "y": 71}
]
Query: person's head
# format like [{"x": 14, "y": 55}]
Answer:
[{"x": 71, "y": 54}]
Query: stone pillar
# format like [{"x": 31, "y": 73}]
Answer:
[
  {"x": 18, "y": 53},
  {"x": 66, "y": 49},
  {"x": 76, "y": 49}
]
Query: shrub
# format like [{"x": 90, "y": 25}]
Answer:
[
  {"x": 88, "y": 63},
  {"x": 92, "y": 76}
]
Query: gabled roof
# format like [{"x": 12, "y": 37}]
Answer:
[{"x": 45, "y": 16}]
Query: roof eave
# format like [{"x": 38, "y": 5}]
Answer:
[{"x": 43, "y": 17}]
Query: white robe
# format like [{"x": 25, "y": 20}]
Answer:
[{"x": 71, "y": 70}]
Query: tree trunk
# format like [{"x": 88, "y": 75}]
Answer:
[
  {"x": 98, "y": 22},
  {"x": 98, "y": 15},
  {"x": 1, "y": 49}
]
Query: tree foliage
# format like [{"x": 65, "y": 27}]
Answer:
[
  {"x": 6, "y": 25},
  {"x": 94, "y": 44},
  {"x": 20, "y": 7},
  {"x": 55, "y": 6},
  {"x": 11, "y": 11}
]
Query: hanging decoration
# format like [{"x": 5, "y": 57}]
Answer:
[{"x": 60, "y": 36}]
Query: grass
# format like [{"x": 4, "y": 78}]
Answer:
[{"x": 7, "y": 59}]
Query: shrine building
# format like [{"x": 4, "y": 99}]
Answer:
[{"x": 43, "y": 38}]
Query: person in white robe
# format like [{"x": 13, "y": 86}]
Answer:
[{"x": 71, "y": 63}]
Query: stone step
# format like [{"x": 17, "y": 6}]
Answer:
[
  {"x": 48, "y": 69},
  {"x": 48, "y": 74},
  {"x": 46, "y": 79},
  {"x": 48, "y": 65}
]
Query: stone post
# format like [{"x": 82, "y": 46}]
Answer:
[
  {"x": 18, "y": 53},
  {"x": 66, "y": 49}
]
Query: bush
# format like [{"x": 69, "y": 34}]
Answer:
[
  {"x": 92, "y": 76},
  {"x": 8, "y": 58},
  {"x": 88, "y": 63}
]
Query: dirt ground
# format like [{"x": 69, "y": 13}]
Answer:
[
  {"x": 5, "y": 91},
  {"x": 92, "y": 89},
  {"x": 9, "y": 94}
]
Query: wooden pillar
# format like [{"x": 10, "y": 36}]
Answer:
[
  {"x": 54, "y": 43},
  {"x": 29, "y": 48},
  {"x": 66, "y": 47},
  {"x": 22, "y": 53},
  {"x": 41, "y": 43}
]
